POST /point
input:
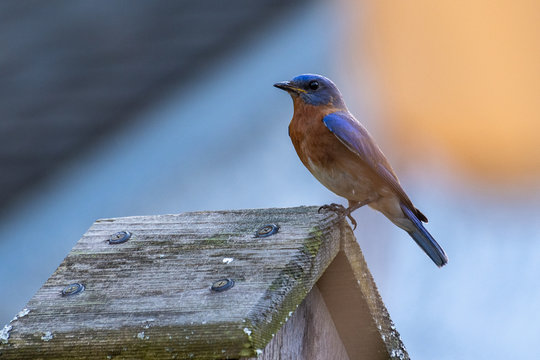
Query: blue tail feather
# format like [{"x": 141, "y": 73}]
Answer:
[{"x": 424, "y": 239}]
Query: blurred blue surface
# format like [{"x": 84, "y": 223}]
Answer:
[{"x": 221, "y": 143}]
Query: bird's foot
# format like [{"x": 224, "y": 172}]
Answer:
[
  {"x": 341, "y": 211},
  {"x": 337, "y": 208}
]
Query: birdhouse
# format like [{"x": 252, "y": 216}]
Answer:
[{"x": 270, "y": 284}]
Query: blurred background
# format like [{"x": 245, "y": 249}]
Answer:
[{"x": 118, "y": 108}]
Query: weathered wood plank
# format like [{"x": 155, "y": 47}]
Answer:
[
  {"x": 150, "y": 297},
  {"x": 309, "y": 334},
  {"x": 343, "y": 316},
  {"x": 358, "y": 312}
]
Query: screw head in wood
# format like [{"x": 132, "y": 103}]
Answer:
[
  {"x": 267, "y": 230},
  {"x": 72, "y": 289},
  {"x": 222, "y": 285},
  {"x": 119, "y": 237}
]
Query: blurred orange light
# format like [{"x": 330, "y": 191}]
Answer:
[{"x": 461, "y": 75}]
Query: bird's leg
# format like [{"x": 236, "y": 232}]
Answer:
[
  {"x": 353, "y": 222},
  {"x": 353, "y": 205}
]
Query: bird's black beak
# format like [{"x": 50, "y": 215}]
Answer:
[{"x": 288, "y": 87}]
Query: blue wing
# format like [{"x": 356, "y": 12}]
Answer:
[{"x": 358, "y": 140}]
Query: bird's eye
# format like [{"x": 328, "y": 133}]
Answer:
[{"x": 314, "y": 85}]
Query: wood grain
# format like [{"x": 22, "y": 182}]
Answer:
[
  {"x": 309, "y": 334},
  {"x": 342, "y": 317},
  {"x": 150, "y": 297},
  {"x": 358, "y": 312}
]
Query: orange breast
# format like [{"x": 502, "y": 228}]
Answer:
[
  {"x": 335, "y": 166},
  {"x": 311, "y": 138}
]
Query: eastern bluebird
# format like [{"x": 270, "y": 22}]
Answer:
[{"x": 343, "y": 156}]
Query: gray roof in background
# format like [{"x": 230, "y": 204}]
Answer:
[{"x": 72, "y": 71}]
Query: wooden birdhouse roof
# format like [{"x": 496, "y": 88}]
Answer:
[{"x": 209, "y": 285}]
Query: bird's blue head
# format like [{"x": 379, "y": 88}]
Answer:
[{"x": 313, "y": 89}]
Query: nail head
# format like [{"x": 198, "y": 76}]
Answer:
[
  {"x": 222, "y": 285},
  {"x": 267, "y": 230},
  {"x": 72, "y": 289},
  {"x": 119, "y": 237}
]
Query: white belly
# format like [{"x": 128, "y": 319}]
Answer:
[{"x": 348, "y": 185}]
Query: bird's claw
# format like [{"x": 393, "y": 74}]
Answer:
[
  {"x": 337, "y": 208},
  {"x": 341, "y": 211},
  {"x": 353, "y": 222}
]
